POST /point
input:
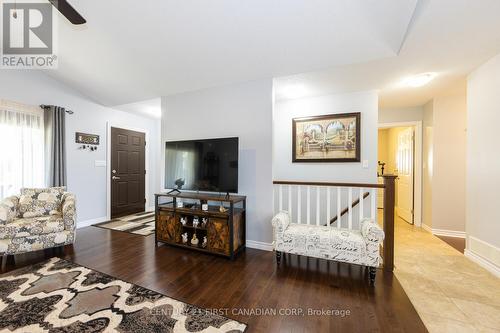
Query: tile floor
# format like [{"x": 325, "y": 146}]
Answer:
[{"x": 450, "y": 292}]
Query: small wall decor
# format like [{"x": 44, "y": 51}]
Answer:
[
  {"x": 89, "y": 147},
  {"x": 328, "y": 138},
  {"x": 92, "y": 139}
]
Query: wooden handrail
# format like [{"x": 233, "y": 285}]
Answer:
[
  {"x": 288, "y": 182},
  {"x": 345, "y": 210}
]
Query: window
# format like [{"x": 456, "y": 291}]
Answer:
[{"x": 21, "y": 147}]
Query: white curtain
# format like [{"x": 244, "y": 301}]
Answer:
[{"x": 21, "y": 147}]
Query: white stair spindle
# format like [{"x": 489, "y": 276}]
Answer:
[
  {"x": 299, "y": 204},
  {"x": 317, "y": 205},
  {"x": 339, "y": 207},
  {"x": 361, "y": 204},
  {"x": 328, "y": 215},
  {"x": 349, "y": 209},
  {"x": 373, "y": 204},
  {"x": 308, "y": 205},
  {"x": 290, "y": 200},
  {"x": 280, "y": 197}
]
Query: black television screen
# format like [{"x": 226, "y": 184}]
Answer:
[{"x": 202, "y": 165}]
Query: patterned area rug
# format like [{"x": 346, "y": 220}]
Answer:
[
  {"x": 60, "y": 296},
  {"x": 140, "y": 223}
]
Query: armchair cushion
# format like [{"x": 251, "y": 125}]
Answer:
[
  {"x": 24, "y": 227},
  {"x": 371, "y": 231},
  {"x": 8, "y": 209},
  {"x": 35, "y": 202}
]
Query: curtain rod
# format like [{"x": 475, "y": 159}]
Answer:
[{"x": 43, "y": 106}]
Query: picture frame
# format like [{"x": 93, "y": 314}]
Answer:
[{"x": 327, "y": 138}]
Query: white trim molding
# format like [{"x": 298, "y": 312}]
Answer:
[
  {"x": 87, "y": 223},
  {"x": 259, "y": 245},
  {"x": 444, "y": 232},
  {"x": 484, "y": 254}
]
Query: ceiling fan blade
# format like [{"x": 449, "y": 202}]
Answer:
[{"x": 68, "y": 11}]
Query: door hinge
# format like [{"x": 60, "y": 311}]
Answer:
[
  {"x": 144, "y": 200},
  {"x": 144, "y": 171}
]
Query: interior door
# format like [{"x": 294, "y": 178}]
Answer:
[
  {"x": 405, "y": 160},
  {"x": 128, "y": 172}
]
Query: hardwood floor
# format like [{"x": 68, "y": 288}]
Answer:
[
  {"x": 455, "y": 242},
  {"x": 250, "y": 284}
]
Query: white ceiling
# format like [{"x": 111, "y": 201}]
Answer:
[
  {"x": 133, "y": 50},
  {"x": 449, "y": 37},
  {"x": 136, "y": 50}
]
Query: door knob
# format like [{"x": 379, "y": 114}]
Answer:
[{"x": 114, "y": 177}]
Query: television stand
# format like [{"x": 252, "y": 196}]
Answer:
[{"x": 224, "y": 229}]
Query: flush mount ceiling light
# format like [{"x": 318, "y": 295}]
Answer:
[
  {"x": 419, "y": 80},
  {"x": 295, "y": 90}
]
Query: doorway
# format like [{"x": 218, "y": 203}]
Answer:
[
  {"x": 399, "y": 153},
  {"x": 127, "y": 172}
]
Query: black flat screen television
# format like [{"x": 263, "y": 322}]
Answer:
[{"x": 202, "y": 165}]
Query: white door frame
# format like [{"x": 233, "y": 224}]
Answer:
[
  {"x": 417, "y": 217},
  {"x": 109, "y": 125}
]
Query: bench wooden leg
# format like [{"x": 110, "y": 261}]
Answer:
[
  {"x": 278, "y": 257},
  {"x": 4, "y": 262},
  {"x": 372, "y": 272}
]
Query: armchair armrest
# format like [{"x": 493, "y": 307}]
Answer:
[
  {"x": 281, "y": 221},
  {"x": 9, "y": 209},
  {"x": 371, "y": 231},
  {"x": 69, "y": 211}
]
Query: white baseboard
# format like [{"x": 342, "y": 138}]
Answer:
[
  {"x": 86, "y": 223},
  {"x": 444, "y": 232},
  {"x": 484, "y": 254},
  {"x": 259, "y": 245},
  {"x": 485, "y": 263}
]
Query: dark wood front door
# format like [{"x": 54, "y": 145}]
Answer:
[{"x": 128, "y": 172}]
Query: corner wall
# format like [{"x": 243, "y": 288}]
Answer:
[
  {"x": 242, "y": 110},
  {"x": 483, "y": 165},
  {"x": 85, "y": 179}
]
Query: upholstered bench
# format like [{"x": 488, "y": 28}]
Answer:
[{"x": 361, "y": 247}]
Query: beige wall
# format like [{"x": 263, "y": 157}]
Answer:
[
  {"x": 427, "y": 160},
  {"x": 483, "y": 162},
  {"x": 444, "y": 163},
  {"x": 448, "y": 187}
]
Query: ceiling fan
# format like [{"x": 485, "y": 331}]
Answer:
[{"x": 68, "y": 11}]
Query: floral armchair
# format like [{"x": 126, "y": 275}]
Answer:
[{"x": 37, "y": 219}]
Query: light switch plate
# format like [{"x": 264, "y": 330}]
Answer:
[
  {"x": 365, "y": 164},
  {"x": 100, "y": 163}
]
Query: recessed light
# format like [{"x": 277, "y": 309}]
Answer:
[
  {"x": 295, "y": 90},
  {"x": 419, "y": 80}
]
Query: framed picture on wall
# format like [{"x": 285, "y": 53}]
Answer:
[{"x": 327, "y": 138}]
